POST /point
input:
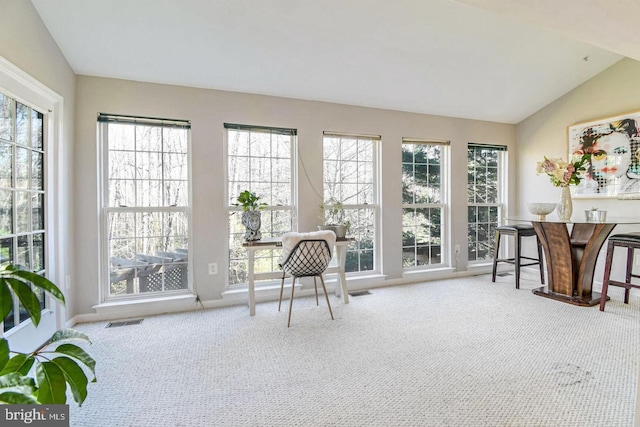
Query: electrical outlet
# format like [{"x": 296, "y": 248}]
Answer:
[
  {"x": 457, "y": 249},
  {"x": 213, "y": 268}
]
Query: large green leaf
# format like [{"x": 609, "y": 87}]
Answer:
[
  {"x": 78, "y": 353},
  {"x": 20, "y": 363},
  {"x": 75, "y": 377},
  {"x": 52, "y": 385},
  {"x": 4, "y": 352},
  {"x": 69, "y": 334},
  {"x": 27, "y": 298},
  {"x": 5, "y": 299},
  {"x": 40, "y": 282},
  {"x": 15, "y": 398}
]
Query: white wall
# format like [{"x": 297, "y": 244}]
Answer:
[
  {"x": 208, "y": 110},
  {"x": 614, "y": 91},
  {"x": 32, "y": 49},
  {"x": 27, "y": 44}
]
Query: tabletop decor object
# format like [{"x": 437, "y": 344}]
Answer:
[
  {"x": 251, "y": 216},
  {"x": 541, "y": 210},
  {"x": 563, "y": 174},
  {"x": 333, "y": 215},
  {"x": 595, "y": 215}
]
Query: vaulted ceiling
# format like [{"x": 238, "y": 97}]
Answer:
[{"x": 496, "y": 60}]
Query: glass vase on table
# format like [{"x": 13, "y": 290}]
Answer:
[{"x": 565, "y": 205}]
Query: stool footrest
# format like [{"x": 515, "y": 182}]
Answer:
[
  {"x": 624, "y": 284},
  {"x": 513, "y": 261},
  {"x": 518, "y": 232}
]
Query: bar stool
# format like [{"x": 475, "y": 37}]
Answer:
[
  {"x": 518, "y": 231},
  {"x": 631, "y": 241}
]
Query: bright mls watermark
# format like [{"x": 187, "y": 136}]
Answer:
[{"x": 34, "y": 415}]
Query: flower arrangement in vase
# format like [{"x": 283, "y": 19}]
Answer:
[{"x": 563, "y": 174}]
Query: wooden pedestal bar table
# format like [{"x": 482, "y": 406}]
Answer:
[{"x": 571, "y": 259}]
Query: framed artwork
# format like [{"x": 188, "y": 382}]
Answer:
[{"x": 614, "y": 145}]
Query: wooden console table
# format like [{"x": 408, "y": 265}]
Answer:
[{"x": 276, "y": 243}]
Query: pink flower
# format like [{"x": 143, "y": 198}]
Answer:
[{"x": 548, "y": 166}]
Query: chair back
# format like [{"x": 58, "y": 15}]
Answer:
[
  {"x": 291, "y": 239},
  {"x": 309, "y": 257}
]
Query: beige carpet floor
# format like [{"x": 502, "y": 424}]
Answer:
[{"x": 461, "y": 352}]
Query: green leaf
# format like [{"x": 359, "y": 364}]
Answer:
[
  {"x": 20, "y": 363},
  {"x": 75, "y": 377},
  {"x": 16, "y": 398},
  {"x": 4, "y": 352},
  {"x": 40, "y": 282},
  {"x": 69, "y": 334},
  {"x": 5, "y": 299},
  {"x": 27, "y": 298},
  {"x": 16, "y": 388},
  {"x": 52, "y": 385},
  {"x": 78, "y": 353},
  {"x": 14, "y": 379}
]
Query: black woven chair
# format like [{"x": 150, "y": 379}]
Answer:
[{"x": 308, "y": 258}]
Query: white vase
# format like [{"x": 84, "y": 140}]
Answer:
[{"x": 565, "y": 205}]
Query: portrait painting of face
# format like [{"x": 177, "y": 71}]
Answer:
[
  {"x": 612, "y": 155},
  {"x": 613, "y": 145}
]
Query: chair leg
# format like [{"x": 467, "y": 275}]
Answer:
[
  {"x": 607, "y": 272},
  {"x": 518, "y": 241},
  {"x": 495, "y": 256},
  {"x": 315, "y": 285},
  {"x": 627, "y": 280},
  {"x": 293, "y": 288},
  {"x": 326, "y": 296},
  {"x": 540, "y": 260},
  {"x": 281, "y": 289}
]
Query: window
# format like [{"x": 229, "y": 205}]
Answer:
[
  {"x": 350, "y": 167},
  {"x": 22, "y": 194},
  {"x": 146, "y": 202},
  {"x": 423, "y": 202},
  {"x": 485, "y": 195},
  {"x": 259, "y": 159}
]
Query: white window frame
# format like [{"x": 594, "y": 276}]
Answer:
[
  {"x": 265, "y": 260},
  {"x": 106, "y": 210},
  {"x": 19, "y": 85},
  {"x": 500, "y": 204},
  {"x": 374, "y": 205},
  {"x": 443, "y": 205}
]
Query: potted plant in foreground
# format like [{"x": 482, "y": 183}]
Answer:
[
  {"x": 333, "y": 215},
  {"x": 40, "y": 377},
  {"x": 251, "y": 217}
]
